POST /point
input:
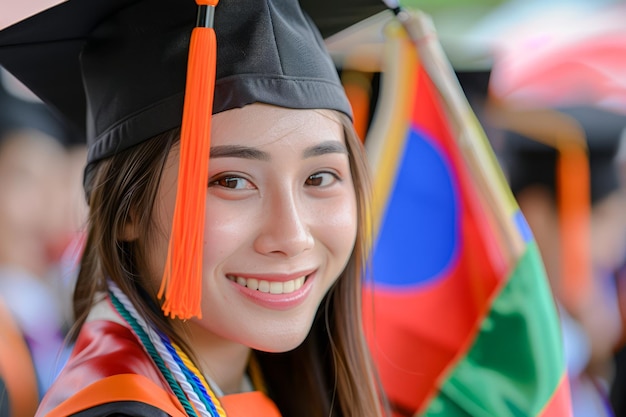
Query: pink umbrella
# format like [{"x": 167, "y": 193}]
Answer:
[{"x": 583, "y": 62}]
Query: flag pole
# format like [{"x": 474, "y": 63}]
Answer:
[{"x": 470, "y": 136}]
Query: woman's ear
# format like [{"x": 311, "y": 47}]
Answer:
[{"x": 130, "y": 229}]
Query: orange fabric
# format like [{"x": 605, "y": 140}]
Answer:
[
  {"x": 182, "y": 278},
  {"x": 103, "y": 349},
  {"x": 16, "y": 367},
  {"x": 249, "y": 404},
  {"x": 130, "y": 387},
  {"x": 574, "y": 204},
  {"x": 109, "y": 365},
  {"x": 127, "y": 387},
  {"x": 357, "y": 87}
]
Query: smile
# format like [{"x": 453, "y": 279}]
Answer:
[{"x": 270, "y": 287}]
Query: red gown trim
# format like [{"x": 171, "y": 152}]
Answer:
[{"x": 109, "y": 365}]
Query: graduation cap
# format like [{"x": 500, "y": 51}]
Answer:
[
  {"x": 118, "y": 70},
  {"x": 571, "y": 151},
  {"x": 531, "y": 160}
]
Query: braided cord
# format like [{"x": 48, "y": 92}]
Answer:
[
  {"x": 180, "y": 374},
  {"x": 199, "y": 403},
  {"x": 147, "y": 343},
  {"x": 191, "y": 380},
  {"x": 198, "y": 377}
]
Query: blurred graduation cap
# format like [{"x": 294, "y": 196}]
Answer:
[
  {"x": 20, "y": 112},
  {"x": 475, "y": 83},
  {"x": 120, "y": 70},
  {"x": 533, "y": 161},
  {"x": 571, "y": 151}
]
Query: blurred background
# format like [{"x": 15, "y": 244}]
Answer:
[
  {"x": 547, "y": 81},
  {"x": 42, "y": 212},
  {"x": 546, "y": 78}
]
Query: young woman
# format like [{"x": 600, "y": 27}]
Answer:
[{"x": 278, "y": 330}]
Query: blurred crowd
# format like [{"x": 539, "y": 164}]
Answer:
[
  {"x": 565, "y": 159},
  {"x": 42, "y": 211},
  {"x": 553, "y": 105}
]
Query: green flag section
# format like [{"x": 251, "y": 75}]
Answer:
[{"x": 508, "y": 371}]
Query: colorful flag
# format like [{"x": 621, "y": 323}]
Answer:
[{"x": 459, "y": 315}]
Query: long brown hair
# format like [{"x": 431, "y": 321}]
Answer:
[
  {"x": 116, "y": 187},
  {"x": 331, "y": 370}
]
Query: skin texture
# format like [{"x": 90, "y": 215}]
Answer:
[{"x": 284, "y": 208}]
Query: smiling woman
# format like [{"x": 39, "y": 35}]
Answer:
[
  {"x": 277, "y": 330},
  {"x": 281, "y": 214}
]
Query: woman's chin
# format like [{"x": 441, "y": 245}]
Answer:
[{"x": 277, "y": 343}]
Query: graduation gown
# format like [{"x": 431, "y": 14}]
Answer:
[
  {"x": 110, "y": 374},
  {"x": 18, "y": 381}
]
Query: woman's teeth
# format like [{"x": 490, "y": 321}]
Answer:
[{"x": 271, "y": 287}]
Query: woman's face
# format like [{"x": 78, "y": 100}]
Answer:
[{"x": 281, "y": 223}]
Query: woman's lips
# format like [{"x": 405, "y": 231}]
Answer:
[
  {"x": 275, "y": 292},
  {"x": 272, "y": 287}
]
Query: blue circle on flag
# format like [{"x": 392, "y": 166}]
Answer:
[{"x": 418, "y": 237}]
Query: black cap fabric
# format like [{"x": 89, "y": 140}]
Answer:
[
  {"x": 120, "y": 65},
  {"x": 530, "y": 162}
]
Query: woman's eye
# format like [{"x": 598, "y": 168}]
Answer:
[
  {"x": 233, "y": 183},
  {"x": 321, "y": 179}
]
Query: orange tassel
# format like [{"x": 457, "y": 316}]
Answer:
[{"x": 182, "y": 278}]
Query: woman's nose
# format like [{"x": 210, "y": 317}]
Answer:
[{"x": 285, "y": 229}]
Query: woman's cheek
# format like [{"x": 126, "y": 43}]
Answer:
[
  {"x": 336, "y": 222},
  {"x": 227, "y": 226}
]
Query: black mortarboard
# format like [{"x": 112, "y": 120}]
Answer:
[
  {"x": 529, "y": 161},
  {"x": 123, "y": 66},
  {"x": 134, "y": 55}
]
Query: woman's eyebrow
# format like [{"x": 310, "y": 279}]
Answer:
[
  {"x": 247, "y": 152},
  {"x": 236, "y": 151},
  {"x": 330, "y": 146}
]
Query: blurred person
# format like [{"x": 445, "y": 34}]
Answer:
[
  {"x": 618, "y": 387},
  {"x": 34, "y": 221},
  {"x": 69, "y": 245},
  {"x": 19, "y": 396},
  {"x": 591, "y": 327}
]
